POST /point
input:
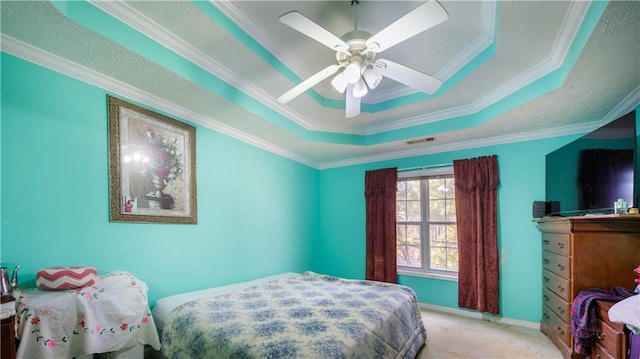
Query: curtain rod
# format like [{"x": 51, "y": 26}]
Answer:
[{"x": 425, "y": 167}]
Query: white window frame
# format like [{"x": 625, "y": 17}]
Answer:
[{"x": 424, "y": 272}]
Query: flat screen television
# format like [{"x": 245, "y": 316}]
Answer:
[{"x": 589, "y": 174}]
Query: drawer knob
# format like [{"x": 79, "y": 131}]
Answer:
[
  {"x": 561, "y": 288},
  {"x": 600, "y": 335},
  {"x": 546, "y": 280},
  {"x": 560, "y": 331},
  {"x": 545, "y": 241},
  {"x": 545, "y": 261},
  {"x": 561, "y": 245},
  {"x": 560, "y": 267},
  {"x": 545, "y": 298},
  {"x": 560, "y": 310}
]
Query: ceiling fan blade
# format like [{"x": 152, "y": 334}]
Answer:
[
  {"x": 420, "y": 19},
  {"x": 308, "y": 83},
  {"x": 304, "y": 25},
  {"x": 407, "y": 76},
  {"x": 352, "y": 103}
]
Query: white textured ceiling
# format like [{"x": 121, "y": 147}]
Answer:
[{"x": 512, "y": 70}]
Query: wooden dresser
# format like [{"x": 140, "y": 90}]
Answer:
[{"x": 580, "y": 253}]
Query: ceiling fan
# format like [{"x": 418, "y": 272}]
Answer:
[{"x": 356, "y": 55}]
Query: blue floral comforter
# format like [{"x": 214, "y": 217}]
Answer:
[{"x": 306, "y": 316}]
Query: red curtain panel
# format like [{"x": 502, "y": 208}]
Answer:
[
  {"x": 380, "y": 196},
  {"x": 477, "y": 181}
]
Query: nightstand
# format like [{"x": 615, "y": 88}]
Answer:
[
  {"x": 108, "y": 316},
  {"x": 7, "y": 331}
]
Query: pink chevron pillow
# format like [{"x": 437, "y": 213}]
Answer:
[{"x": 56, "y": 278}]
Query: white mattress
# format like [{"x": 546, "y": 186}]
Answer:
[
  {"x": 627, "y": 311},
  {"x": 165, "y": 305}
]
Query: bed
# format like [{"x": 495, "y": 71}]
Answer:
[{"x": 305, "y": 315}]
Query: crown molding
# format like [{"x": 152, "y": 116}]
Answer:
[
  {"x": 261, "y": 35},
  {"x": 282, "y": 52},
  {"x": 143, "y": 24},
  {"x": 569, "y": 29},
  {"x": 479, "y": 44},
  {"x": 58, "y": 64},
  {"x": 451, "y": 68},
  {"x": 628, "y": 104},
  {"x": 463, "y": 145},
  {"x": 71, "y": 69}
]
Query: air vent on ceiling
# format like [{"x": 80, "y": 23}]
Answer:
[{"x": 421, "y": 140}]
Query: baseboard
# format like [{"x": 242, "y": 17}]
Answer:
[{"x": 481, "y": 316}]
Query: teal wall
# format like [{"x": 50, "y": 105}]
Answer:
[
  {"x": 521, "y": 166},
  {"x": 257, "y": 211}
]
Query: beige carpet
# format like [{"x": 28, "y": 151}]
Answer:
[{"x": 453, "y": 336}]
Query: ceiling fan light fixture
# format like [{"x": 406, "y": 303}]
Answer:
[
  {"x": 339, "y": 83},
  {"x": 372, "y": 78},
  {"x": 359, "y": 88},
  {"x": 356, "y": 53},
  {"x": 352, "y": 72}
]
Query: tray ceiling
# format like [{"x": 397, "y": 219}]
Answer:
[{"x": 512, "y": 71}]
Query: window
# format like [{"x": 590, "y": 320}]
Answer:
[{"x": 426, "y": 233}]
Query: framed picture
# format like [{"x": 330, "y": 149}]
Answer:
[{"x": 152, "y": 161}]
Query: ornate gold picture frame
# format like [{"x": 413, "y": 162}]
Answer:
[{"x": 152, "y": 161}]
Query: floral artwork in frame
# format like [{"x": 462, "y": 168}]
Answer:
[{"x": 151, "y": 166}]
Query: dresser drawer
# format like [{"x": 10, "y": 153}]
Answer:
[
  {"x": 611, "y": 337},
  {"x": 557, "y": 243},
  {"x": 555, "y": 326},
  {"x": 598, "y": 352},
  {"x": 556, "y": 284},
  {"x": 556, "y": 263},
  {"x": 559, "y": 306}
]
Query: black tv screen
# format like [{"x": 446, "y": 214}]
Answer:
[{"x": 589, "y": 174}]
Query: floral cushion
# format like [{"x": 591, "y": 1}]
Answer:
[{"x": 55, "y": 278}]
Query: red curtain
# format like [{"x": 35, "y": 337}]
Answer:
[
  {"x": 380, "y": 196},
  {"x": 476, "y": 216}
]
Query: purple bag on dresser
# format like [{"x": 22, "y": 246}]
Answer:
[{"x": 634, "y": 346}]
